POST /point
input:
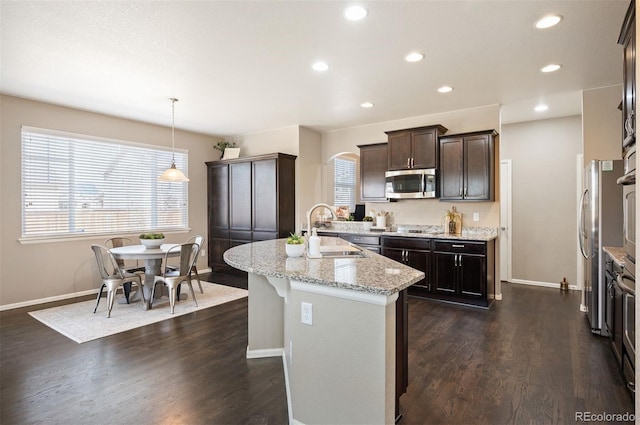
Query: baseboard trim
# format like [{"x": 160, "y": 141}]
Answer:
[
  {"x": 267, "y": 352},
  {"x": 543, "y": 284},
  {"x": 62, "y": 297},
  {"x": 48, "y": 299}
]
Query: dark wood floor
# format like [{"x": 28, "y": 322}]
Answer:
[{"x": 530, "y": 359}]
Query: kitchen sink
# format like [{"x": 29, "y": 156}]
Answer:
[
  {"x": 340, "y": 251},
  {"x": 342, "y": 254}
]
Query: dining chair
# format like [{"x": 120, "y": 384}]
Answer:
[
  {"x": 114, "y": 278},
  {"x": 117, "y": 242},
  {"x": 199, "y": 240},
  {"x": 174, "y": 277}
]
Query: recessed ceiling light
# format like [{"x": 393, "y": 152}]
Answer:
[
  {"x": 541, "y": 108},
  {"x": 445, "y": 89},
  {"x": 366, "y": 105},
  {"x": 548, "y": 21},
  {"x": 320, "y": 66},
  {"x": 551, "y": 67},
  {"x": 414, "y": 57},
  {"x": 355, "y": 13}
]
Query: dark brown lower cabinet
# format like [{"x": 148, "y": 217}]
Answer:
[
  {"x": 415, "y": 253},
  {"x": 463, "y": 271}
]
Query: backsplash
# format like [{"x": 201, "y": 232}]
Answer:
[{"x": 431, "y": 212}]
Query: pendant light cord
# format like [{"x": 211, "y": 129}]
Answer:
[{"x": 173, "y": 126}]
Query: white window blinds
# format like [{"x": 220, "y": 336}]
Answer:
[
  {"x": 76, "y": 185},
  {"x": 344, "y": 183}
]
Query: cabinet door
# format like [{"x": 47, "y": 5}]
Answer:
[
  {"x": 373, "y": 165},
  {"x": 445, "y": 273},
  {"x": 217, "y": 247},
  {"x": 424, "y": 149},
  {"x": 419, "y": 260},
  {"x": 399, "y": 150},
  {"x": 451, "y": 168},
  {"x": 477, "y": 168},
  {"x": 265, "y": 196},
  {"x": 472, "y": 275},
  {"x": 240, "y": 196},
  {"x": 218, "y": 200}
]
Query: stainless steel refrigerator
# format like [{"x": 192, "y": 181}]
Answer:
[{"x": 601, "y": 221}]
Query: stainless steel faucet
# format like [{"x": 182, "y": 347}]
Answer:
[{"x": 310, "y": 212}]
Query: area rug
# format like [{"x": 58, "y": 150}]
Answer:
[{"x": 77, "y": 321}]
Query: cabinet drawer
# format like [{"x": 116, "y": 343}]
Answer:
[
  {"x": 408, "y": 243},
  {"x": 465, "y": 247},
  {"x": 361, "y": 240}
]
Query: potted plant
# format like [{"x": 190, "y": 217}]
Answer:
[
  {"x": 224, "y": 144},
  {"x": 295, "y": 245},
  {"x": 367, "y": 222},
  {"x": 152, "y": 240}
]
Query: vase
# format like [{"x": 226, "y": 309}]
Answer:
[
  {"x": 366, "y": 225},
  {"x": 295, "y": 250},
  {"x": 152, "y": 243}
]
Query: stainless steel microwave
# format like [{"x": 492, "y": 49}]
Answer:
[{"x": 409, "y": 184}]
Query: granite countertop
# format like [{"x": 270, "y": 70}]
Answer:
[
  {"x": 423, "y": 231},
  {"x": 373, "y": 273},
  {"x": 617, "y": 253}
]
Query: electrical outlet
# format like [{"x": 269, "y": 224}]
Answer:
[
  {"x": 476, "y": 216},
  {"x": 307, "y": 313},
  {"x": 203, "y": 253}
]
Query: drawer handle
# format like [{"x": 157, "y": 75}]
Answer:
[{"x": 457, "y": 246}]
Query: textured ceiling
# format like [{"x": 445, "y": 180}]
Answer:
[{"x": 241, "y": 67}]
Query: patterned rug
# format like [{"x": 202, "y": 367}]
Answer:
[{"x": 77, "y": 321}]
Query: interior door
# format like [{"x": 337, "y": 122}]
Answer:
[{"x": 505, "y": 220}]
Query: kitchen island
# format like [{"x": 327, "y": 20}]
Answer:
[{"x": 333, "y": 321}]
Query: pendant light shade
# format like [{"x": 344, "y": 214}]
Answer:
[{"x": 173, "y": 174}]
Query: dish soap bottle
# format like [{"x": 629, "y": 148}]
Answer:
[{"x": 314, "y": 243}]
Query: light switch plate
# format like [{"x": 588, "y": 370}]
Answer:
[{"x": 307, "y": 313}]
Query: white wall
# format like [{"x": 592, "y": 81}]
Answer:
[
  {"x": 602, "y": 123},
  {"x": 543, "y": 155},
  {"x": 54, "y": 269}
]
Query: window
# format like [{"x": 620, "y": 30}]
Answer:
[
  {"x": 344, "y": 183},
  {"x": 76, "y": 185}
]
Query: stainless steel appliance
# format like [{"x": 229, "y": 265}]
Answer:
[
  {"x": 628, "y": 183},
  {"x": 411, "y": 184},
  {"x": 601, "y": 221}
]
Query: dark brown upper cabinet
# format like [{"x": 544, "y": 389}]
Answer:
[
  {"x": 467, "y": 166},
  {"x": 414, "y": 147},
  {"x": 373, "y": 165},
  {"x": 628, "y": 40}
]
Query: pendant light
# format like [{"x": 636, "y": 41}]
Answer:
[{"x": 173, "y": 174}]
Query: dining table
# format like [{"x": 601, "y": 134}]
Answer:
[{"x": 152, "y": 258}]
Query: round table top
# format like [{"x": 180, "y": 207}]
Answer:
[{"x": 141, "y": 252}]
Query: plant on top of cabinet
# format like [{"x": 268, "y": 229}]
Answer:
[{"x": 414, "y": 147}]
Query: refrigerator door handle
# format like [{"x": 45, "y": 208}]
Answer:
[{"x": 581, "y": 231}]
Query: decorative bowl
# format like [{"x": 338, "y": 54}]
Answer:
[
  {"x": 152, "y": 243},
  {"x": 295, "y": 250}
]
